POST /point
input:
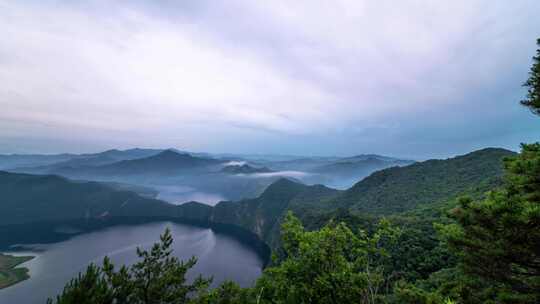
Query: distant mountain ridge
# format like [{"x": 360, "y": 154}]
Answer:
[
  {"x": 94, "y": 165},
  {"x": 319, "y": 164},
  {"x": 362, "y": 157},
  {"x": 244, "y": 169},
  {"x": 58, "y": 162},
  {"x": 167, "y": 160},
  {"x": 360, "y": 166},
  {"x": 158, "y": 162},
  {"x": 28, "y": 160}
]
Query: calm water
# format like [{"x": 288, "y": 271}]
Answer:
[{"x": 219, "y": 255}]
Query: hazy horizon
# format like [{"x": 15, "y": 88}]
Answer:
[
  {"x": 262, "y": 155},
  {"x": 409, "y": 79}
]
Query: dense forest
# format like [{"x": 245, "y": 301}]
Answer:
[{"x": 463, "y": 230}]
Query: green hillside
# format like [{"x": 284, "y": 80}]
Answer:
[
  {"x": 262, "y": 215},
  {"x": 359, "y": 166},
  {"x": 400, "y": 189},
  {"x": 33, "y": 198},
  {"x": 9, "y": 272},
  {"x": 421, "y": 190}
]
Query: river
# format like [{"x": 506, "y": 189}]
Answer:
[{"x": 219, "y": 255}]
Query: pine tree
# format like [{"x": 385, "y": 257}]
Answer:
[
  {"x": 533, "y": 84},
  {"x": 159, "y": 277},
  {"x": 498, "y": 239}
]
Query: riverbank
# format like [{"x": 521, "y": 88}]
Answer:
[
  {"x": 11, "y": 236},
  {"x": 220, "y": 255},
  {"x": 9, "y": 273}
]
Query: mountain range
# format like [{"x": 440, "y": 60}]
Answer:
[
  {"x": 244, "y": 169},
  {"x": 31, "y": 198},
  {"x": 232, "y": 178},
  {"x": 14, "y": 161},
  {"x": 167, "y": 161}
]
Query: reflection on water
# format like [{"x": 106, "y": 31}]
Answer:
[
  {"x": 181, "y": 194},
  {"x": 55, "y": 264}
]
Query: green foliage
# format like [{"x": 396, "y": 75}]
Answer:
[
  {"x": 33, "y": 198},
  {"x": 417, "y": 252},
  {"x": 87, "y": 288},
  {"x": 498, "y": 239},
  {"x": 401, "y": 189},
  {"x": 227, "y": 293},
  {"x": 262, "y": 215},
  {"x": 449, "y": 283},
  {"x": 431, "y": 185},
  {"x": 158, "y": 277},
  {"x": 331, "y": 265},
  {"x": 10, "y": 275},
  {"x": 533, "y": 85}
]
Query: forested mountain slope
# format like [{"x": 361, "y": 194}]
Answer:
[
  {"x": 387, "y": 192},
  {"x": 262, "y": 215},
  {"x": 33, "y": 198},
  {"x": 400, "y": 189}
]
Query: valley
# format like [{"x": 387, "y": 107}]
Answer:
[
  {"x": 179, "y": 177},
  {"x": 219, "y": 255},
  {"x": 64, "y": 210}
]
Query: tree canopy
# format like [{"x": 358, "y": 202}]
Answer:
[
  {"x": 159, "y": 277},
  {"x": 330, "y": 265},
  {"x": 498, "y": 239}
]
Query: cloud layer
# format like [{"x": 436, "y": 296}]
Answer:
[{"x": 414, "y": 79}]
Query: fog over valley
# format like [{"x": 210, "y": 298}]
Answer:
[{"x": 178, "y": 177}]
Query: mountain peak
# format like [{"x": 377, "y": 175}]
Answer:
[
  {"x": 283, "y": 187},
  {"x": 400, "y": 189},
  {"x": 283, "y": 181},
  {"x": 487, "y": 151},
  {"x": 244, "y": 169},
  {"x": 171, "y": 153}
]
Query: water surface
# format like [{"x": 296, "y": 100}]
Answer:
[{"x": 219, "y": 255}]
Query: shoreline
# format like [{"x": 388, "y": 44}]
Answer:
[
  {"x": 50, "y": 232},
  {"x": 10, "y": 272},
  {"x": 14, "y": 239}
]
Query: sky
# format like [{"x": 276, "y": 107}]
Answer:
[{"x": 415, "y": 79}]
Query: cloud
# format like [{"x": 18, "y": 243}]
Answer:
[
  {"x": 235, "y": 163},
  {"x": 265, "y": 75},
  {"x": 293, "y": 174}
]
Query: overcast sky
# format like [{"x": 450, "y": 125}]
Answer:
[{"x": 414, "y": 79}]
